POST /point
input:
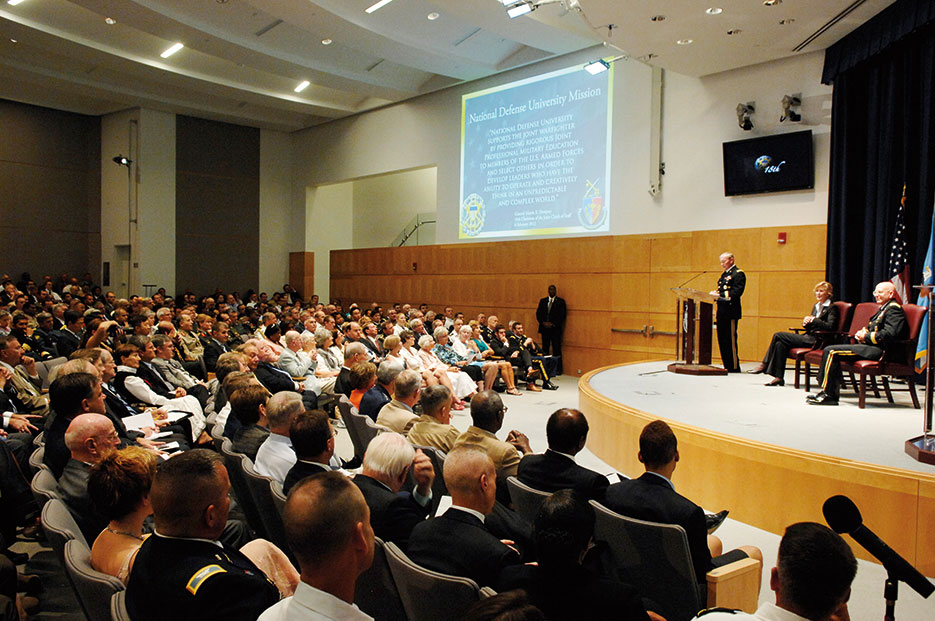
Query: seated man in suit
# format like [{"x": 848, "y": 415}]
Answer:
[
  {"x": 567, "y": 432},
  {"x": 812, "y": 578},
  {"x": 387, "y": 463},
  {"x": 172, "y": 370},
  {"x": 353, "y": 353},
  {"x": 885, "y": 329},
  {"x": 182, "y": 567},
  {"x": 653, "y": 498},
  {"x": 275, "y": 456},
  {"x": 216, "y": 345},
  {"x": 24, "y": 385},
  {"x": 382, "y": 392},
  {"x": 328, "y": 529},
  {"x": 398, "y": 414},
  {"x": 294, "y": 359},
  {"x": 434, "y": 427},
  {"x": 272, "y": 377},
  {"x": 458, "y": 543},
  {"x": 68, "y": 339},
  {"x": 516, "y": 355},
  {"x": 313, "y": 442},
  {"x": 487, "y": 412},
  {"x": 248, "y": 406}
]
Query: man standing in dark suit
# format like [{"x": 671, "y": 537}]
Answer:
[
  {"x": 551, "y": 317},
  {"x": 653, "y": 498},
  {"x": 387, "y": 463},
  {"x": 567, "y": 432},
  {"x": 886, "y": 328},
  {"x": 730, "y": 287},
  {"x": 458, "y": 543}
]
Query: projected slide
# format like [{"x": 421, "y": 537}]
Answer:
[{"x": 535, "y": 156}]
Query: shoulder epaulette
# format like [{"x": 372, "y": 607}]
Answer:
[
  {"x": 719, "y": 609},
  {"x": 200, "y": 576}
]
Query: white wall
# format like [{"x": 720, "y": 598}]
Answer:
[
  {"x": 157, "y": 200},
  {"x": 384, "y": 205},
  {"x": 329, "y": 226},
  {"x": 116, "y": 130},
  {"x": 698, "y": 115},
  {"x": 277, "y": 225}
]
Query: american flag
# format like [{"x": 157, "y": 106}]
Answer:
[{"x": 899, "y": 258}]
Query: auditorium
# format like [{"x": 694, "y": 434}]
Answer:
[{"x": 221, "y": 211}]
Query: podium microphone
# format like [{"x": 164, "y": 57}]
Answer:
[
  {"x": 843, "y": 516},
  {"x": 693, "y": 278}
]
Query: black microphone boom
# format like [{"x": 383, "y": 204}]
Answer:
[
  {"x": 843, "y": 516},
  {"x": 692, "y": 278}
]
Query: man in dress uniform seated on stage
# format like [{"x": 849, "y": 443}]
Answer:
[
  {"x": 566, "y": 431},
  {"x": 183, "y": 570},
  {"x": 812, "y": 578},
  {"x": 652, "y": 497},
  {"x": 887, "y": 326}
]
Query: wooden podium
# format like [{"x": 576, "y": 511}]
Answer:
[{"x": 693, "y": 344}]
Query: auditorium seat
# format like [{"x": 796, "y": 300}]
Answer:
[
  {"x": 93, "y": 588},
  {"x": 822, "y": 338},
  {"x": 861, "y": 317},
  {"x": 376, "y": 592},
  {"x": 526, "y": 500}
]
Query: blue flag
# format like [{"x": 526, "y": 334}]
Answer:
[{"x": 922, "y": 353}]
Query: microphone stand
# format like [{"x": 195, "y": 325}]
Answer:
[{"x": 890, "y": 594}]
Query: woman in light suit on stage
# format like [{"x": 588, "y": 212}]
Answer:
[{"x": 824, "y": 316}]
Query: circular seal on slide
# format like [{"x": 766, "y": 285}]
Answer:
[
  {"x": 762, "y": 162},
  {"x": 473, "y": 212},
  {"x": 593, "y": 213}
]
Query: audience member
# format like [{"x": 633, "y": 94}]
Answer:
[
  {"x": 216, "y": 345},
  {"x": 434, "y": 427},
  {"x": 275, "y": 456},
  {"x": 248, "y": 406},
  {"x": 313, "y": 442},
  {"x": 567, "y": 432},
  {"x": 328, "y": 529},
  {"x": 381, "y": 393},
  {"x": 506, "y": 606},
  {"x": 398, "y": 414},
  {"x": 354, "y": 352},
  {"x": 23, "y": 383},
  {"x": 387, "y": 463},
  {"x": 363, "y": 377},
  {"x": 457, "y": 542}
]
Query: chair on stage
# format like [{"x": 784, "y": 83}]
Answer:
[
  {"x": 822, "y": 338},
  {"x": 898, "y": 361},
  {"x": 655, "y": 559},
  {"x": 526, "y": 500},
  {"x": 861, "y": 317}
]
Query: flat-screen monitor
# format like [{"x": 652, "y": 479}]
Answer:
[{"x": 769, "y": 164}]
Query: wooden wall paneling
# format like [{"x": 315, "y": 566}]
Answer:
[
  {"x": 707, "y": 246},
  {"x": 662, "y": 299},
  {"x": 630, "y": 253},
  {"x": 302, "y": 272},
  {"x": 630, "y": 291},
  {"x": 750, "y": 301},
  {"x": 589, "y": 329},
  {"x": 628, "y": 340},
  {"x": 925, "y": 537},
  {"x": 586, "y": 291},
  {"x": 663, "y": 344},
  {"x": 787, "y": 293},
  {"x": 673, "y": 254},
  {"x": 804, "y": 249},
  {"x": 748, "y": 344}
]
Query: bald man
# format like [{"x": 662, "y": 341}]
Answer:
[{"x": 885, "y": 328}]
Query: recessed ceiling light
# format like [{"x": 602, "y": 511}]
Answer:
[
  {"x": 175, "y": 47},
  {"x": 771, "y": 2},
  {"x": 377, "y": 6},
  {"x": 14, "y": 41},
  {"x": 302, "y": 86},
  {"x": 13, "y": 2},
  {"x": 657, "y": 18},
  {"x": 734, "y": 31},
  {"x": 786, "y": 22},
  {"x": 685, "y": 41},
  {"x": 326, "y": 41},
  {"x": 715, "y": 10},
  {"x": 110, "y": 21},
  {"x": 433, "y": 16}
]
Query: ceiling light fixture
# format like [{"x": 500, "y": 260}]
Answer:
[
  {"x": 432, "y": 16},
  {"x": 302, "y": 86},
  {"x": 14, "y": 41},
  {"x": 110, "y": 21},
  {"x": 597, "y": 66},
  {"x": 685, "y": 41},
  {"x": 519, "y": 9},
  {"x": 120, "y": 160},
  {"x": 787, "y": 21},
  {"x": 326, "y": 42},
  {"x": 734, "y": 31},
  {"x": 657, "y": 18},
  {"x": 715, "y": 10},
  {"x": 175, "y": 47},
  {"x": 377, "y": 6},
  {"x": 13, "y": 2},
  {"x": 771, "y": 2}
]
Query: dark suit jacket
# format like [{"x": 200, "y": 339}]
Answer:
[
  {"x": 212, "y": 352},
  {"x": 73, "y": 484},
  {"x": 652, "y": 499},
  {"x": 155, "y": 381},
  {"x": 392, "y": 516},
  {"x": 552, "y": 471},
  {"x": 298, "y": 472},
  {"x": 247, "y": 440},
  {"x": 730, "y": 287},
  {"x": 458, "y": 544},
  {"x": 65, "y": 342},
  {"x": 342, "y": 385},
  {"x": 275, "y": 380},
  {"x": 377, "y": 349},
  {"x": 826, "y": 320},
  {"x": 373, "y": 400},
  {"x": 556, "y": 315}
]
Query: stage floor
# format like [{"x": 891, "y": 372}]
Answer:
[{"x": 740, "y": 405}]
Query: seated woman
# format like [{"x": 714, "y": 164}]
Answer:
[
  {"x": 410, "y": 357},
  {"x": 460, "y": 383},
  {"x": 480, "y": 346},
  {"x": 273, "y": 337},
  {"x": 824, "y": 316},
  {"x": 328, "y": 365},
  {"x": 363, "y": 378},
  {"x": 483, "y": 373},
  {"x": 119, "y": 486}
]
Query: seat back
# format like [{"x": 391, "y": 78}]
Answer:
[
  {"x": 118, "y": 606},
  {"x": 93, "y": 588},
  {"x": 654, "y": 558},
  {"x": 44, "y": 367},
  {"x": 376, "y": 592},
  {"x": 35, "y": 460},
  {"x": 861, "y": 317},
  {"x": 914, "y": 316},
  {"x": 526, "y": 500},
  {"x": 279, "y": 499},
  {"x": 345, "y": 407},
  {"x": 44, "y": 487},
  {"x": 439, "y": 488},
  {"x": 60, "y": 527},
  {"x": 365, "y": 429},
  {"x": 844, "y": 315},
  {"x": 238, "y": 481},
  {"x": 428, "y": 595},
  {"x": 259, "y": 486},
  {"x": 39, "y": 440},
  {"x": 217, "y": 436},
  {"x": 907, "y": 352}
]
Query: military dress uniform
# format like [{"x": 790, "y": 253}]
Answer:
[
  {"x": 888, "y": 324},
  {"x": 196, "y": 579},
  {"x": 730, "y": 287}
]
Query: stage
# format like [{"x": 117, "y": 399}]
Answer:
[{"x": 767, "y": 455}]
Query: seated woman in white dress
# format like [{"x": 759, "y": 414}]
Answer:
[
  {"x": 410, "y": 356},
  {"x": 460, "y": 383}
]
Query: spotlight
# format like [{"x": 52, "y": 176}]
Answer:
[
  {"x": 744, "y": 111},
  {"x": 597, "y": 66},
  {"x": 122, "y": 161},
  {"x": 519, "y": 9},
  {"x": 788, "y": 103}
]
